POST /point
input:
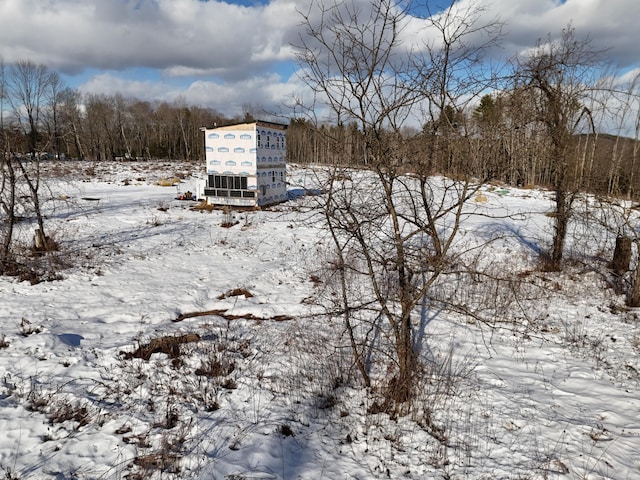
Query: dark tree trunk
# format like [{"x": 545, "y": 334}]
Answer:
[
  {"x": 621, "y": 255},
  {"x": 633, "y": 300},
  {"x": 562, "y": 214},
  {"x": 10, "y": 211}
]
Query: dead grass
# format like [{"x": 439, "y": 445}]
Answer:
[
  {"x": 229, "y": 224},
  {"x": 159, "y": 461},
  {"x": 236, "y": 292},
  {"x": 64, "y": 411},
  {"x": 59, "y": 409},
  {"x": 203, "y": 206},
  {"x": 229, "y": 316},
  {"x": 169, "y": 345},
  {"x": 168, "y": 182},
  {"x": 216, "y": 367}
]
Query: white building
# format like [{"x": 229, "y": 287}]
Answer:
[{"x": 245, "y": 164}]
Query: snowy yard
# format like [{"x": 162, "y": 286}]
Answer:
[{"x": 248, "y": 384}]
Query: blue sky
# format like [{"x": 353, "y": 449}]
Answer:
[{"x": 236, "y": 55}]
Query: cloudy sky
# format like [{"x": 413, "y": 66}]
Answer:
[{"x": 233, "y": 55}]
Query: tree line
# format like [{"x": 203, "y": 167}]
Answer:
[
  {"x": 41, "y": 115},
  {"x": 495, "y": 140},
  {"x": 503, "y": 136}
]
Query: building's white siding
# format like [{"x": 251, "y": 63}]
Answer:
[
  {"x": 271, "y": 171},
  {"x": 255, "y": 152}
]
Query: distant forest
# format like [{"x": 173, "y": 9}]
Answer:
[{"x": 499, "y": 140}]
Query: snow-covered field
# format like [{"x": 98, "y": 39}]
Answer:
[{"x": 255, "y": 389}]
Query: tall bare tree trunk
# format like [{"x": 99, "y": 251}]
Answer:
[
  {"x": 9, "y": 207},
  {"x": 633, "y": 299}
]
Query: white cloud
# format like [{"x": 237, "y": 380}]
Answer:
[
  {"x": 611, "y": 24},
  {"x": 107, "y": 83},
  {"x": 225, "y": 55},
  {"x": 166, "y": 34},
  {"x": 264, "y": 94},
  {"x": 237, "y": 41}
]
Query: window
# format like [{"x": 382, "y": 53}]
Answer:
[{"x": 227, "y": 186}]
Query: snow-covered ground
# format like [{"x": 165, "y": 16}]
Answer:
[{"x": 255, "y": 389}]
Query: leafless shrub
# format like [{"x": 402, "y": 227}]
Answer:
[
  {"x": 170, "y": 419},
  {"x": 140, "y": 441},
  {"x": 9, "y": 474},
  {"x": 154, "y": 221},
  {"x": 59, "y": 408},
  {"x": 37, "y": 399},
  {"x": 229, "y": 384},
  {"x": 200, "y": 382},
  {"x": 64, "y": 410},
  {"x": 285, "y": 431},
  {"x": 440, "y": 380},
  {"x": 216, "y": 367},
  {"x": 578, "y": 338},
  {"x": 29, "y": 265},
  {"x": 163, "y": 462},
  {"x": 229, "y": 218},
  {"x": 27, "y": 328}
]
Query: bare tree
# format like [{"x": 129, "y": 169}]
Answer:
[
  {"x": 54, "y": 98},
  {"x": 8, "y": 182},
  {"x": 27, "y": 92},
  {"x": 563, "y": 78},
  {"x": 28, "y": 85},
  {"x": 625, "y": 108},
  {"x": 72, "y": 123},
  {"x": 393, "y": 226}
]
